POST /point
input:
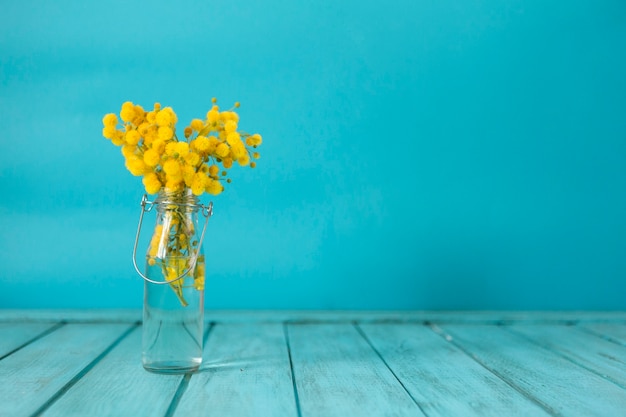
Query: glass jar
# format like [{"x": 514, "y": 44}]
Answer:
[{"x": 173, "y": 305}]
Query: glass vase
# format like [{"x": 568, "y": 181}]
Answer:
[{"x": 173, "y": 304}]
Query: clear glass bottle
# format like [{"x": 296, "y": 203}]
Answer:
[{"x": 173, "y": 312}]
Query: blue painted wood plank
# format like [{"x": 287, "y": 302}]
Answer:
[
  {"x": 118, "y": 386},
  {"x": 611, "y": 331},
  {"x": 441, "y": 378},
  {"x": 382, "y": 366},
  {"x": 605, "y": 358},
  {"x": 560, "y": 386},
  {"x": 15, "y": 335},
  {"x": 245, "y": 372},
  {"x": 40, "y": 370},
  {"x": 338, "y": 374}
]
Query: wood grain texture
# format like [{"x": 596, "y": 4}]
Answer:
[
  {"x": 338, "y": 374},
  {"x": 605, "y": 358},
  {"x": 612, "y": 331},
  {"x": 442, "y": 379},
  {"x": 118, "y": 386},
  {"x": 321, "y": 363},
  {"x": 245, "y": 372},
  {"x": 44, "y": 367},
  {"x": 14, "y": 335},
  {"x": 559, "y": 385}
]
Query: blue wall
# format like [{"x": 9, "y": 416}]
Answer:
[{"x": 417, "y": 154}]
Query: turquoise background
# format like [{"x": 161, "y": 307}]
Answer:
[{"x": 417, "y": 154}]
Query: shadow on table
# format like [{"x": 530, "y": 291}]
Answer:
[{"x": 243, "y": 364}]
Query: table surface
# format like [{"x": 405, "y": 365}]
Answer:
[{"x": 320, "y": 363}]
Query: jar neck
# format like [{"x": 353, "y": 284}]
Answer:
[{"x": 184, "y": 198}]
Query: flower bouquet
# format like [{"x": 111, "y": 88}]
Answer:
[{"x": 178, "y": 170}]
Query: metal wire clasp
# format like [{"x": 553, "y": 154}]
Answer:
[{"x": 146, "y": 206}]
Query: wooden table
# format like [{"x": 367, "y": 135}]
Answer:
[{"x": 87, "y": 363}]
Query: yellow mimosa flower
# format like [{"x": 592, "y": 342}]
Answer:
[
  {"x": 118, "y": 138},
  {"x": 182, "y": 148},
  {"x": 164, "y": 118},
  {"x": 151, "y": 183},
  {"x": 128, "y": 111},
  {"x": 214, "y": 187},
  {"x": 175, "y": 184},
  {"x": 222, "y": 150},
  {"x": 171, "y": 167},
  {"x": 244, "y": 159},
  {"x": 198, "y": 183},
  {"x": 132, "y": 137},
  {"x": 135, "y": 165},
  {"x": 229, "y": 115},
  {"x": 188, "y": 173},
  {"x": 213, "y": 115},
  {"x": 230, "y": 126},
  {"x": 109, "y": 132},
  {"x": 170, "y": 148},
  {"x": 143, "y": 129},
  {"x": 197, "y": 125},
  {"x": 214, "y": 170},
  {"x": 109, "y": 120},
  {"x": 234, "y": 139},
  {"x": 165, "y": 132},
  {"x": 192, "y": 158},
  {"x": 151, "y": 157},
  {"x": 201, "y": 143},
  {"x": 254, "y": 140},
  {"x": 140, "y": 116},
  {"x": 128, "y": 150},
  {"x": 159, "y": 146}
]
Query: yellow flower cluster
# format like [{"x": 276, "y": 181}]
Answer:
[{"x": 200, "y": 162}]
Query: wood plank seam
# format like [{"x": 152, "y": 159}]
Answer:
[
  {"x": 603, "y": 336},
  {"x": 371, "y": 345},
  {"x": 564, "y": 356},
  {"x": 293, "y": 375},
  {"x": 184, "y": 383},
  {"x": 83, "y": 372},
  {"x": 34, "y": 339},
  {"x": 449, "y": 338},
  {"x": 208, "y": 331},
  {"x": 180, "y": 391}
]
